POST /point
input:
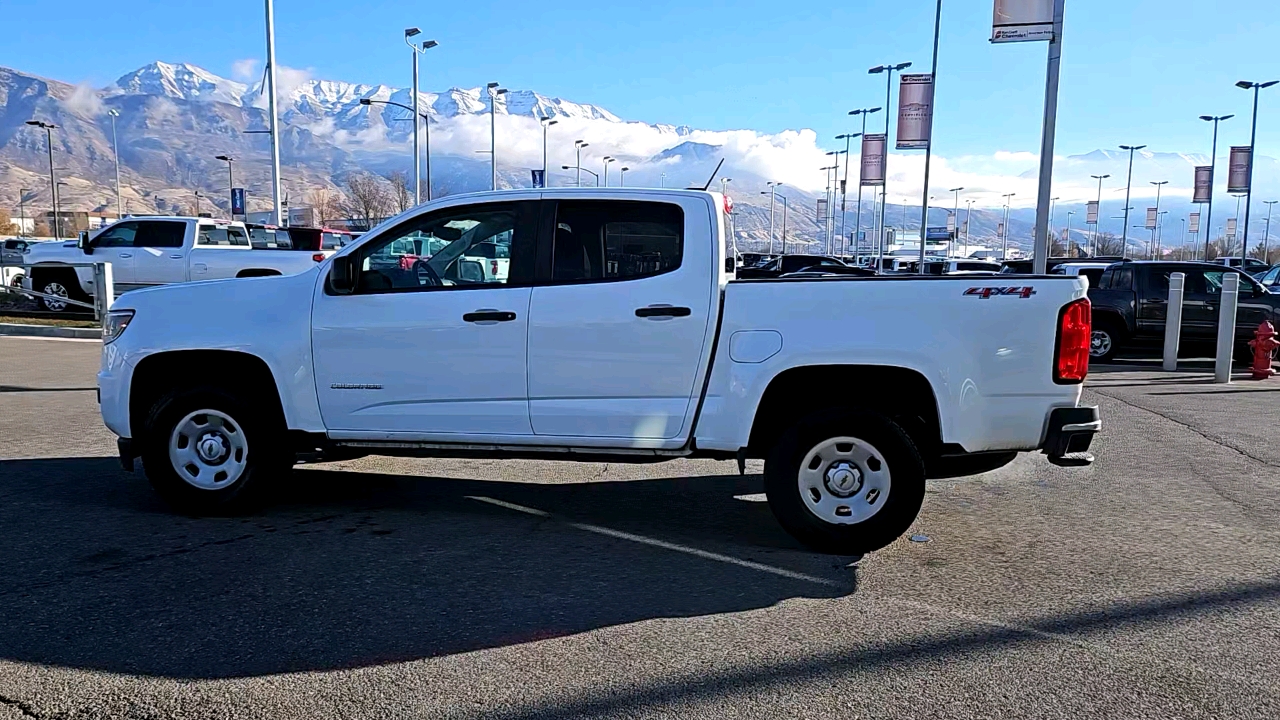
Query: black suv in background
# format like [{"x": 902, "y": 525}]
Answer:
[{"x": 1131, "y": 303}]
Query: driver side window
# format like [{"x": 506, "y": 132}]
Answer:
[
  {"x": 481, "y": 246},
  {"x": 117, "y": 236}
]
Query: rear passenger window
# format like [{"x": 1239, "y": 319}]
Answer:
[
  {"x": 158, "y": 234},
  {"x": 616, "y": 240},
  {"x": 213, "y": 235}
]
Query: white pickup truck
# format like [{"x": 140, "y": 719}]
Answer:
[
  {"x": 618, "y": 334},
  {"x": 147, "y": 251}
]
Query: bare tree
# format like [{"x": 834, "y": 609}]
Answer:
[
  {"x": 1109, "y": 245},
  {"x": 368, "y": 199},
  {"x": 400, "y": 191},
  {"x": 7, "y": 226},
  {"x": 325, "y": 203}
]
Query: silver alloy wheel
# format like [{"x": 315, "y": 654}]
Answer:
[
  {"x": 54, "y": 288},
  {"x": 208, "y": 450},
  {"x": 1099, "y": 343},
  {"x": 844, "y": 480}
]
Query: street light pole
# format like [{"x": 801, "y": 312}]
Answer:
[
  {"x": 22, "y": 210},
  {"x": 844, "y": 185},
  {"x": 1040, "y": 242},
  {"x": 275, "y": 118},
  {"x": 955, "y": 214},
  {"x": 1070, "y": 213},
  {"x": 1213, "y": 164},
  {"x": 231, "y": 183},
  {"x": 622, "y": 178},
  {"x": 546, "y": 123},
  {"x": 409, "y": 33},
  {"x": 857, "y": 227},
  {"x": 968, "y": 215},
  {"x": 1253, "y": 138},
  {"x": 1155, "y": 235},
  {"x": 577, "y": 146},
  {"x": 53, "y": 180},
  {"x": 928, "y": 148},
  {"x": 607, "y": 159},
  {"x": 784, "y": 225},
  {"x": 494, "y": 92},
  {"x": 773, "y": 193},
  {"x": 1124, "y": 238},
  {"x": 1004, "y": 254},
  {"x": 888, "y": 70},
  {"x": 1097, "y": 224},
  {"x": 115, "y": 147},
  {"x": 1266, "y": 234}
]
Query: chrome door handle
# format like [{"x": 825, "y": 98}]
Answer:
[
  {"x": 175, "y": 257},
  {"x": 126, "y": 255}
]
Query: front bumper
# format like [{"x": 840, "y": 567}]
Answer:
[{"x": 1070, "y": 433}]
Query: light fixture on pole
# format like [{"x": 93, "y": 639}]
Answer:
[
  {"x": 546, "y": 123},
  {"x": 888, "y": 71},
  {"x": 115, "y": 148},
  {"x": 622, "y": 177},
  {"x": 577, "y": 147},
  {"x": 231, "y": 183},
  {"x": 1124, "y": 232},
  {"x": 1213, "y": 165},
  {"x": 53, "y": 180},
  {"x": 857, "y": 225},
  {"x": 607, "y": 159},
  {"x": 1098, "y": 213},
  {"x": 662, "y": 181},
  {"x": 494, "y": 92},
  {"x": 1253, "y": 139}
]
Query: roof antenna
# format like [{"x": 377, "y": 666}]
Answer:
[{"x": 710, "y": 179}]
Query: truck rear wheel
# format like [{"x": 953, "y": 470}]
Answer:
[
  {"x": 206, "y": 451},
  {"x": 61, "y": 284},
  {"x": 1105, "y": 340},
  {"x": 846, "y": 483}
]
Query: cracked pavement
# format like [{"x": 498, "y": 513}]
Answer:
[{"x": 1144, "y": 586}]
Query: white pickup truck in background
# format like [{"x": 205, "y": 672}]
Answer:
[
  {"x": 148, "y": 251},
  {"x": 617, "y": 332}
]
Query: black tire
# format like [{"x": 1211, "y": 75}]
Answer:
[
  {"x": 58, "y": 282},
  {"x": 899, "y": 504},
  {"x": 265, "y": 453},
  {"x": 1108, "y": 337}
]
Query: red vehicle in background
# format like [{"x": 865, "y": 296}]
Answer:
[{"x": 324, "y": 241}]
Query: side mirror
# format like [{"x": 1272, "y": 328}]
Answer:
[
  {"x": 342, "y": 275},
  {"x": 82, "y": 242}
]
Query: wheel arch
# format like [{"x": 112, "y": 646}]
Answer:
[
  {"x": 902, "y": 394},
  {"x": 237, "y": 372}
]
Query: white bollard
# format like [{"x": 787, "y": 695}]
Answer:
[
  {"x": 1173, "y": 321},
  {"x": 1226, "y": 328}
]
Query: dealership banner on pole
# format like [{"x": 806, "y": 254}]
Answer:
[
  {"x": 1022, "y": 21},
  {"x": 1151, "y": 218},
  {"x": 1204, "y": 184},
  {"x": 1231, "y": 229},
  {"x": 873, "y": 149},
  {"x": 822, "y": 211},
  {"x": 1194, "y": 224},
  {"x": 951, "y": 223},
  {"x": 1238, "y": 169},
  {"x": 1091, "y": 214},
  {"x": 915, "y": 111}
]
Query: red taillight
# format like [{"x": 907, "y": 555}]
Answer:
[
  {"x": 318, "y": 257},
  {"x": 1075, "y": 331}
]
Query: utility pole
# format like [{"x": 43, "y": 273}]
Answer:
[{"x": 1124, "y": 232}]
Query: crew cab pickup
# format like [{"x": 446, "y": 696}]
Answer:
[
  {"x": 151, "y": 251},
  {"x": 618, "y": 333},
  {"x": 1131, "y": 304}
]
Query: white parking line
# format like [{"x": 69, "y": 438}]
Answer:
[{"x": 641, "y": 539}]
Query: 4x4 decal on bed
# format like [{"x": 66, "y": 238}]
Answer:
[{"x": 987, "y": 292}]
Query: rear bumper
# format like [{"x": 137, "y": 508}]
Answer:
[{"x": 1070, "y": 433}]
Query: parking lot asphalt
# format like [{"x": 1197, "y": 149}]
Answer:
[{"x": 1144, "y": 586}]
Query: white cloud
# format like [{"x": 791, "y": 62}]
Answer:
[
  {"x": 245, "y": 70},
  {"x": 84, "y": 100}
]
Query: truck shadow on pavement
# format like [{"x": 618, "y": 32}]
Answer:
[{"x": 347, "y": 570}]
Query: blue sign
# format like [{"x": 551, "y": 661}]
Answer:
[
  {"x": 937, "y": 233},
  {"x": 539, "y": 178},
  {"x": 237, "y": 201}
]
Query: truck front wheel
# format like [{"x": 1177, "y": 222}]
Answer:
[
  {"x": 845, "y": 483},
  {"x": 206, "y": 451}
]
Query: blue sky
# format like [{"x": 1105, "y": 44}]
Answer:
[{"x": 1134, "y": 71}]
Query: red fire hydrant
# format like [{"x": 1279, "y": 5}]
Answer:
[{"x": 1263, "y": 344}]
